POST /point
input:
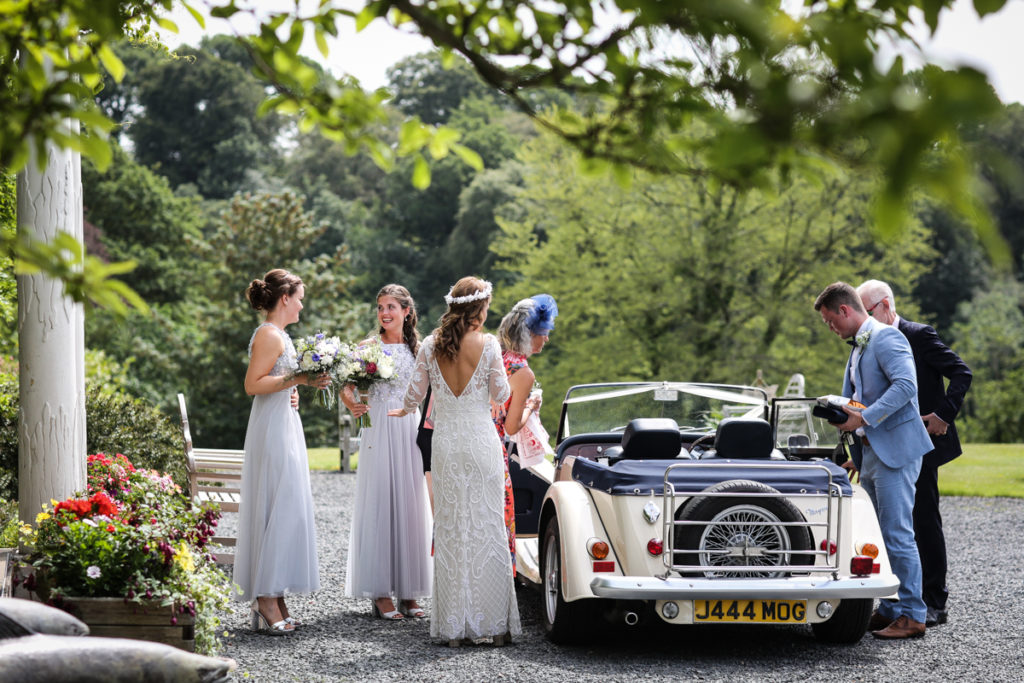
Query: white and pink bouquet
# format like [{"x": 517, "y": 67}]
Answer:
[
  {"x": 319, "y": 354},
  {"x": 365, "y": 364}
]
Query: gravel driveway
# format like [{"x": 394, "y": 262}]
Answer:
[{"x": 983, "y": 641}]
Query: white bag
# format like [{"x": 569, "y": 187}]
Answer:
[{"x": 531, "y": 442}]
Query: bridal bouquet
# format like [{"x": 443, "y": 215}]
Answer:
[
  {"x": 365, "y": 364},
  {"x": 318, "y": 354}
]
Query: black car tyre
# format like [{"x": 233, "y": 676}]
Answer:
[
  {"x": 848, "y": 623},
  {"x": 741, "y": 531},
  {"x": 564, "y": 622}
]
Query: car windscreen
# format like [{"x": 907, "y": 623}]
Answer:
[
  {"x": 797, "y": 429},
  {"x": 594, "y": 408}
]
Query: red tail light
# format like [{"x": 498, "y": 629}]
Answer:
[
  {"x": 862, "y": 565},
  {"x": 655, "y": 546},
  {"x": 828, "y": 545}
]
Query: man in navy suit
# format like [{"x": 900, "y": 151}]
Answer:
[
  {"x": 939, "y": 405},
  {"x": 891, "y": 442}
]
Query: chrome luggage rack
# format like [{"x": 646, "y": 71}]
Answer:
[{"x": 825, "y": 562}]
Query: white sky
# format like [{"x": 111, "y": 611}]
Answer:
[{"x": 994, "y": 45}]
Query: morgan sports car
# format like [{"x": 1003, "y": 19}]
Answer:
[{"x": 697, "y": 504}]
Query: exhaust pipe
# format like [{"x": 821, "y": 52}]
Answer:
[{"x": 631, "y": 619}]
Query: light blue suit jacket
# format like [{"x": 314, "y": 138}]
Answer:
[{"x": 888, "y": 387}]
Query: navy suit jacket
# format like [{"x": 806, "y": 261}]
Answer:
[{"x": 935, "y": 361}]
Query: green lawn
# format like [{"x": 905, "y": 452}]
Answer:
[
  {"x": 327, "y": 459},
  {"x": 983, "y": 470}
]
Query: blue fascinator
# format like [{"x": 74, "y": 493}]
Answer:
[{"x": 541, "y": 319}]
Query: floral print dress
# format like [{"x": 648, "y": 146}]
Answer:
[{"x": 513, "y": 361}]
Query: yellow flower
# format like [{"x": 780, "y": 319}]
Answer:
[
  {"x": 184, "y": 558},
  {"x": 26, "y": 529},
  {"x": 41, "y": 517}
]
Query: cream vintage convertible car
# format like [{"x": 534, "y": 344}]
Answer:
[{"x": 697, "y": 503}]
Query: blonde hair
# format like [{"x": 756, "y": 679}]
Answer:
[{"x": 514, "y": 331}]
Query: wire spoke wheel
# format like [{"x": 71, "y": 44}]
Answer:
[
  {"x": 744, "y": 535},
  {"x": 741, "y": 530}
]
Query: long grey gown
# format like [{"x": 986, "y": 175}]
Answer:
[
  {"x": 389, "y": 547},
  {"x": 276, "y": 551}
]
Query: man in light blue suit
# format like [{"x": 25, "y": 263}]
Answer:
[{"x": 891, "y": 442}]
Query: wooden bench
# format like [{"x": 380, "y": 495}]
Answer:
[{"x": 214, "y": 476}]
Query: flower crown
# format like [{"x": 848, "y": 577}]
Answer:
[{"x": 475, "y": 296}]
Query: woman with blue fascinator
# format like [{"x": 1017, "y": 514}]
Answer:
[{"x": 522, "y": 333}]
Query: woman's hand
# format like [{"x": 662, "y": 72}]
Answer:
[
  {"x": 321, "y": 381},
  {"x": 397, "y": 412},
  {"x": 357, "y": 409},
  {"x": 295, "y": 398}
]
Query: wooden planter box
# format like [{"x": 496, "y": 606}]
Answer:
[{"x": 114, "y": 618}]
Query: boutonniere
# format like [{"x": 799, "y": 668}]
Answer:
[{"x": 863, "y": 338}]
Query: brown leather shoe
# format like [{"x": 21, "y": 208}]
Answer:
[
  {"x": 877, "y": 622},
  {"x": 903, "y": 627}
]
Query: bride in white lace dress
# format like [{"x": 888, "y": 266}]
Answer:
[{"x": 474, "y": 589}]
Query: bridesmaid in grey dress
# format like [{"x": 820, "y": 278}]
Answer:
[
  {"x": 276, "y": 551},
  {"x": 389, "y": 547}
]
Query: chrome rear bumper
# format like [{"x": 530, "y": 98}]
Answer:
[{"x": 797, "y": 588}]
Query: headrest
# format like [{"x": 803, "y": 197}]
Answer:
[
  {"x": 744, "y": 437},
  {"x": 651, "y": 438}
]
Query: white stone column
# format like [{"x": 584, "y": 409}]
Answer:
[{"x": 51, "y": 421}]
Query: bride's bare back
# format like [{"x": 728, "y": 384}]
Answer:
[{"x": 458, "y": 372}]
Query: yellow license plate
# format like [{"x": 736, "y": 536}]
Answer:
[{"x": 754, "y": 611}]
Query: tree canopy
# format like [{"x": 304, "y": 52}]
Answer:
[{"x": 775, "y": 91}]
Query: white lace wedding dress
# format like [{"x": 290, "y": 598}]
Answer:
[
  {"x": 276, "y": 551},
  {"x": 389, "y": 548},
  {"x": 474, "y": 589}
]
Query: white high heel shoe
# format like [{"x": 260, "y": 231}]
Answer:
[
  {"x": 393, "y": 615},
  {"x": 413, "y": 612},
  {"x": 261, "y": 624}
]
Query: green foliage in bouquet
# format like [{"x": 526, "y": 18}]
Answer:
[{"x": 132, "y": 534}]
